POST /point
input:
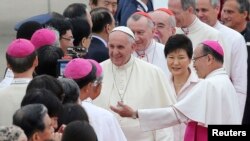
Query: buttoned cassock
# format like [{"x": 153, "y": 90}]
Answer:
[
  {"x": 198, "y": 32},
  {"x": 140, "y": 85}
]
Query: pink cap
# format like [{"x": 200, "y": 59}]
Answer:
[
  {"x": 143, "y": 14},
  {"x": 168, "y": 11},
  {"x": 77, "y": 68},
  {"x": 214, "y": 45},
  {"x": 43, "y": 37},
  {"x": 98, "y": 67},
  {"x": 20, "y": 48}
]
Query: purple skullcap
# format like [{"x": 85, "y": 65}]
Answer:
[
  {"x": 20, "y": 48},
  {"x": 43, "y": 37},
  {"x": 214, "y": 45},
  {"x": 124, "y": 29},
  {"x": 77, "y": 68},
  {"x": 98, "y": 67}
]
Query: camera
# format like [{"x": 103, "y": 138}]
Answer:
[{"x": 76, "y": 51}]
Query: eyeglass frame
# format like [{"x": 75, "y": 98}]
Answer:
[
  {"x": 68, "y": 39},
  {"x": 196, "y": 58}
]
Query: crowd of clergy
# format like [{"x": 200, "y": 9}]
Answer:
[{"x": 128, "y": 70}]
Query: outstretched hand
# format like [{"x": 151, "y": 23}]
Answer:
[{"x": 123, "y": 110}]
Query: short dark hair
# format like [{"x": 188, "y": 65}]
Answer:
[
  {"x": 61, "y": 25},
  {"x": 27, "y": 29},
  {"x": 48, "y": 82},
  {"x": 100, "y": 17},
  {"x": 45, "y": 97},
  {"x": 81, "y": 29},
  {"x": 207, "y": 50},
  {"x": 179, "y": 41},
  {"x": 75, "y": 10},
  {"x": 48, "y": 56},
  {"x": 30, "y": 118},
  {"x": 79, "y": 131},
  {"x": 20, "y": 65},
  {"x": 72, "y": 112},
  {"x": 71, "y": 90}
]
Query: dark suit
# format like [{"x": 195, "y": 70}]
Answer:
[
  {"x": 246, "y": 116},
  {"x": 127, "y": 7},
  {"x": 97, "y": 50}
]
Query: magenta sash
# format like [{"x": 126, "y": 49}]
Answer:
[{"x": 195, "y": 132}]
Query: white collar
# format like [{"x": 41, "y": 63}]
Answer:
[{"x": 21, "y": 80}]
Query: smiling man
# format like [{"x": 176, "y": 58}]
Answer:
[{"x": 126, "y": 79}]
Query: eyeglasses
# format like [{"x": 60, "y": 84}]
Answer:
[
  {"x": 71, "y": 39},
  {"x": 196, "y": 58}
]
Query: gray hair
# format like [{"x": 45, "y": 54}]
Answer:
[
  {"x": 10, "y": 133},
  {"x": 30, "y": 118},
  {"x": 187, "y": 3},
  {"x": 136, "y": 17},
  {"x": 243, "y": 5},
  {"x": 172, "y": 21},
  {"x": 215, "y": 3}
]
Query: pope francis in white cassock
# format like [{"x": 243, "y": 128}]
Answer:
[
  {"x": 134, "y": 82},
  {"x": 211, "y": 101}
]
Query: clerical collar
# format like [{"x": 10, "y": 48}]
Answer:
[
  {"x": 127, "y": 65},
  {"x": 191, "y": 27},
  {"x": 101, "y": 39},
  {"x": 21, "y": 80}
]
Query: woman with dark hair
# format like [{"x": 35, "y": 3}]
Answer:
[{"x": 178, "y": 52}]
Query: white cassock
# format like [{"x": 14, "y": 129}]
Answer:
[
  {"x": 212, "y": 101},
  {"x": 8, "y": 78},
  {"x": 10, "y": 99},
  {"x": 199, "y": 32},
  {"x": 154, "y": 54},
  {"x": 192, "y": 80},
  {"x": 140, "y": 85},
  {"x": 104, "y": 123},
  {"x": 238, "y": 61}
]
